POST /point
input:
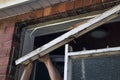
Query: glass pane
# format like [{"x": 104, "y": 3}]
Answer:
[{"x": 99, "y": 68}]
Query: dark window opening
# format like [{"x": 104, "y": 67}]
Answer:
[
  {"x": 106, "y": 35},
  {"x": 39, "y": 68},
  {"x": 41, "y": 40}
]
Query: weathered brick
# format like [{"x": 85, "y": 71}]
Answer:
[
  {"x": 87, "y": 2},
  {"x": 8, "y": 52},
  {"x": 62, "y": 7},
  {"x": 54, "y": 9},
  {"x": 3, "y": 25},
  {"x": 5, "y": 37},
  {"x": 47, "y": 11},
  {"x": 7, "y": 27},
  {"x": 29, "y": 15},
  {"x": 23, "y": 17},
  {"x": 10, "y": 30},
  {"x": 39, "y": 13},
  {"x": 4, "y": 52},
  {"x": 2, "y": 77},
  {"x": 1, "y": 45},
  {"x": 7, "y": 45},
  {"x": 33, "y": 14},
  {"x": 97, "y": 1},
  {"x": 78, "y": 3},
  {"x": 3, "y": 69},
  {"x": 70, "y": 5},
  {"x": 19, "y": 18},
  {"x": 4, "y": 61},
  {"x": 2, "y": 31},
  {"x": 7, "y": 23}
]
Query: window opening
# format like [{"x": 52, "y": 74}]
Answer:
[
  {"x": 57, "y": 56},
  {"x": 82, "y": 46},
  {"x": 74, "y": 33}
]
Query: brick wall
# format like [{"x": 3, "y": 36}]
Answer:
[
  {"x": 7, "y": 27},
  {"x": 6, "y": 34}
]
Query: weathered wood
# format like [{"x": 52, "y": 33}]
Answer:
[{"x": 69, "y": 36}]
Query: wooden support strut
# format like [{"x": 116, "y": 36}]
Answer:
[{"x": 67, "y": 37}]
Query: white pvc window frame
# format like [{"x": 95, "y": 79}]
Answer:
[{"x": 69, "y": 55}]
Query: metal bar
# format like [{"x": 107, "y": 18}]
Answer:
[{"x": 69, "y": 36}]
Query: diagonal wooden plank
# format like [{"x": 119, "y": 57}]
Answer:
[{"x": 69, "y": 36}]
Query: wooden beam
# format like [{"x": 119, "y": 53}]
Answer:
[{"x": 69, "y": 36}]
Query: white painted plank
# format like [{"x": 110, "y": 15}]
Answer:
[{"x": 67, "y": 37}]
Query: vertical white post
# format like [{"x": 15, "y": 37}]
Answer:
[{"x": 67, "y": 65}]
